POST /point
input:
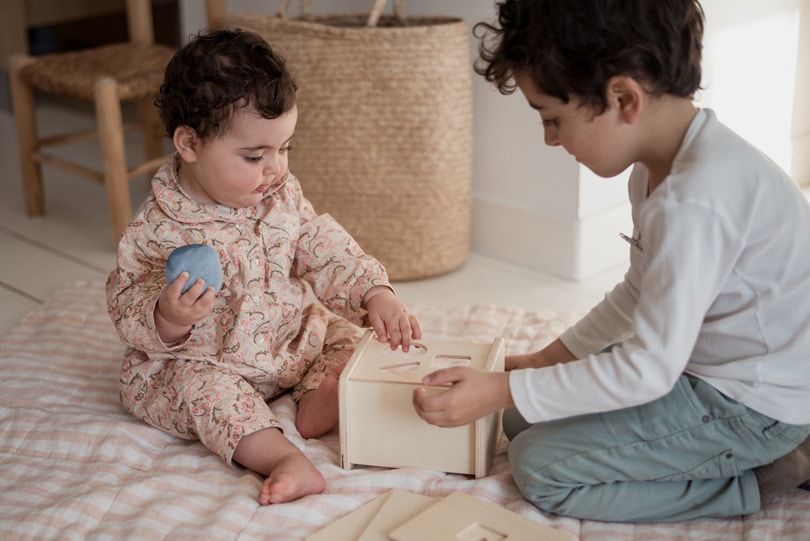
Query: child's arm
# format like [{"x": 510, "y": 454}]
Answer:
[
  {"x": 390, "y": 318},
  {"x": 475, "y": 393},
  {"x": 554, "y": 353}
]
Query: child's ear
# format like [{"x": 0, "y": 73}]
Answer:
[
  {"x": 187, "y": 143},
  {"x": 627, "y": 95}
]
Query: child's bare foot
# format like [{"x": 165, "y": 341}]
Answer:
[
  {"x": 290, "y": 474},
  {"x": 293, "y": 477}
]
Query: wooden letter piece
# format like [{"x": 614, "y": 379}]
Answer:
[{"x": 463, "y": 517}]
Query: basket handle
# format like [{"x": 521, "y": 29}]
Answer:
[{"x": 373, "y": 16}]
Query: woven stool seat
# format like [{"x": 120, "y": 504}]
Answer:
[{"x": 137, "y": 69}]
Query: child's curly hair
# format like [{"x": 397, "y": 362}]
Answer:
[
  {"x": 573, "y": 47},
  {"x": 218, "y": 72}
]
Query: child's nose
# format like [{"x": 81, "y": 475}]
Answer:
[
  {"x": 550, "y": 137},
  {"x": 270, "y": 166}
]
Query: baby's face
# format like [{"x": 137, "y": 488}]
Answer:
[{"x": 239, "y": 168}]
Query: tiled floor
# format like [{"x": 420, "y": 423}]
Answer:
[{"x": 73, "y": 240}]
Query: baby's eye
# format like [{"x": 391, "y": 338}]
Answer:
[
  {"x": 253, "y": 159},
  {"x": 288, "y": 148},
  {"x": 549, "y": 122}
]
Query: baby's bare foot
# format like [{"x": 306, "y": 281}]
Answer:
[
  {"x": 293, "y": 477},
  {"x": 290, "y": 474}
]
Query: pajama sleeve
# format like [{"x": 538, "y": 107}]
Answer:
[{"x": 332, "y": 262}]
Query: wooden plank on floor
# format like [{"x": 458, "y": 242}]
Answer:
[{"x": 37, "y": 271}]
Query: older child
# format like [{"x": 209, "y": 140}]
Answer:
[
  {"x": 700, "y": 407},
  {"x": 201, "y": 364}
]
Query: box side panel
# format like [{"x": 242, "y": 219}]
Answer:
[{"x": 382, "y": 429}]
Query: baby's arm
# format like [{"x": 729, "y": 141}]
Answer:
[
  {"x": 390, "y": 318},
  {"x": 176, "y": 312}
]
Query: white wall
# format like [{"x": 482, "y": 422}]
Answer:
[
  {"x": 534, "y": 206},
  {"x": 750, "y": 68}
]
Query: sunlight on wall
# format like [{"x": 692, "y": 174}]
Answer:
[{"x": 750, "y": 76}]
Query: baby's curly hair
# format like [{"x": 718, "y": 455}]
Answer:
[
  {"x": 573, "y": 47},
  {"x": 218, "y": 72}
]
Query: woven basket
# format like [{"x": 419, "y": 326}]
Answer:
[{"x": 384, "y": 136}]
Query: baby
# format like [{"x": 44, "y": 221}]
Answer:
[{"x": 202, "y": 364}]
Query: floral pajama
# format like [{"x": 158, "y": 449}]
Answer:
[
  {"x": 215, "y": 404},
  {"x": 289, "y": 310}
]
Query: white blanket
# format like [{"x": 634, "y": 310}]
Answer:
[{"x": 74, "y": 465}]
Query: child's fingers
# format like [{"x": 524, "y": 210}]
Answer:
[
  {"x": 430, "y": 406},
  {"x": 395, "y": 336},
  {"x": 405, "y": 337},
  {"x": 204, "y": 304},
  {"x": 445, "y": 376},
  {"x": 176, "y": 287},
  {"x": 208, "y": 295},
  {"x": 195, "y": 291},
  {"x": 416, "y": 329},
  {"x": 378, "y": 325}
]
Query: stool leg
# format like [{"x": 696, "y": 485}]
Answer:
[
  {"x": 111, "y": 137},
  {"x": 22, "y": 96}
]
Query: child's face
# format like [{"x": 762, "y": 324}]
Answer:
[
  {"x": 238, "y": 168},
  {"x": 595, "y": 140}
]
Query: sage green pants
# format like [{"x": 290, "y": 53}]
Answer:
[{"x": 688, "y": 454}]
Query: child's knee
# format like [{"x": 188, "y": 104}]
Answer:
[{"x": 534, "y": 476}]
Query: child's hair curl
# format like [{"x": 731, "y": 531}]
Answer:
[
  {"x": 218, "y": 72},
  {"x": 573, "y": 47}
]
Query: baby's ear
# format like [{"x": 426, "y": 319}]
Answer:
[{"x": 187, "y": 143}]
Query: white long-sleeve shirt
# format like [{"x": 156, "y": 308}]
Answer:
[{"x": 718, "y": 287}]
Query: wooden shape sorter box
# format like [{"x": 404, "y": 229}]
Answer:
[{"x": 378, "y": 425}]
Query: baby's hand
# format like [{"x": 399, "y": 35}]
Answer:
[
  {"x": 176, "y": 312},
  {"x": 390, "y": 318}
]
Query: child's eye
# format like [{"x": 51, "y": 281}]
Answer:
[
  {"x": 549, "y": 122},
  {"x": 253, "y": 159},
  {"x": 288, "y": 148}
]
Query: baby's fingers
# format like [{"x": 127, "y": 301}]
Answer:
[
  {"x": 396, "y": 338},
  {"x": 175, "y": 289},
  {"x": 416, "y": 329},
  {"x": 378, "y": 326}
]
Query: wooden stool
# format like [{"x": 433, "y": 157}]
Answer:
[{"x": 107, "y": 75}]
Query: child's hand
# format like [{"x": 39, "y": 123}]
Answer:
[
  {"x": 390, "y": 318},
  {"x": 473, "y": 393},
  {"x": 176, "y": 312}
]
